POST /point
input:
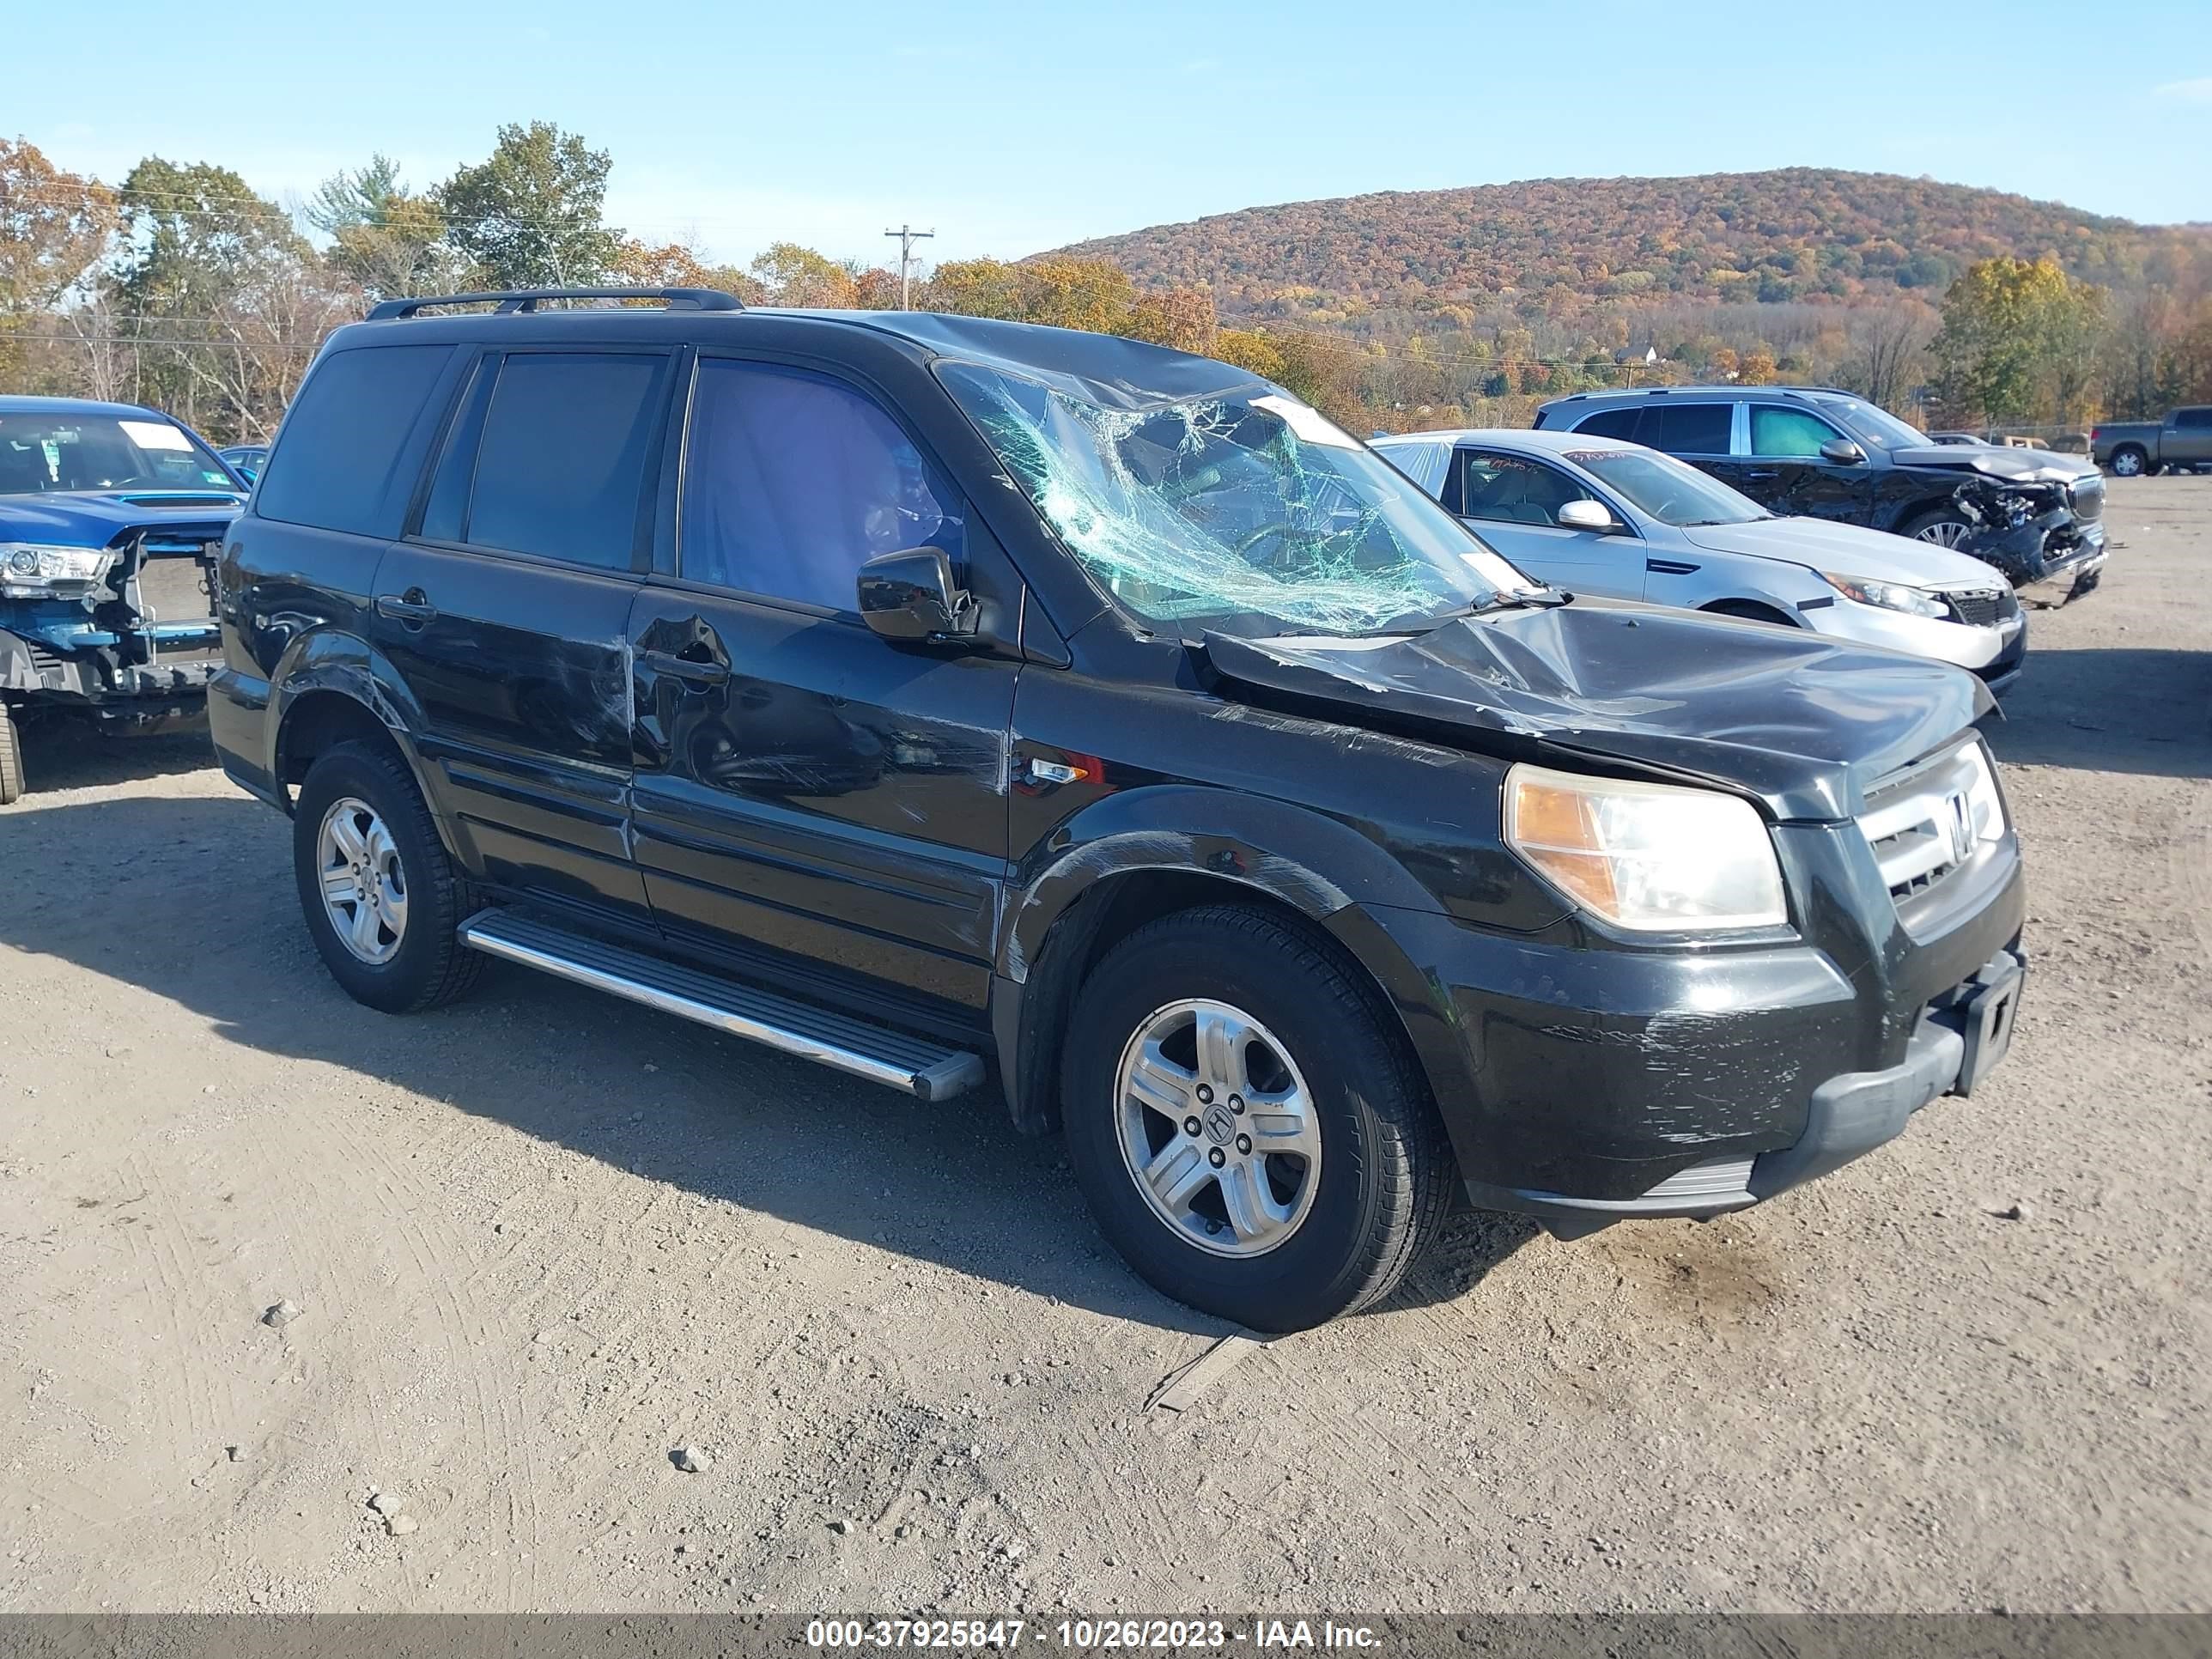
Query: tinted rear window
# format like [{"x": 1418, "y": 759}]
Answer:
[
  {"x": 337, "y": 460},
  {"x": 561, "y": 468},
  {"x": 2192, "y": 418},
  {"x": 1678, "y": 429},
  {"x": 1692, "y": 429},
  {"x": 1615, "y": 423}
]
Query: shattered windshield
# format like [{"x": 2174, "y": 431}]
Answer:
[{"x": 1246, "y": 512}]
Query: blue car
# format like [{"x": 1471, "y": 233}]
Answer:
[
  {"x": 247, "y": 459},
  {"x": 111, "y": 520}
]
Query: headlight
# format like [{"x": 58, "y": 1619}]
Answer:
[
  {"x": 30, "y": 571},
  {"x": 1890, "y": 596},
  {"x": 1646, "y": 856},
  {"x": 1982, "y": 802}
]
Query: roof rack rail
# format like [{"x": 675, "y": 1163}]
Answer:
[{"x": 529, "y": 299}]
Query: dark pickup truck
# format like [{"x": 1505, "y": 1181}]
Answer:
[{"x": 935, "y": 698}]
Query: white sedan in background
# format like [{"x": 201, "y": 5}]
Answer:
[{"x": 1601, "y": 516}]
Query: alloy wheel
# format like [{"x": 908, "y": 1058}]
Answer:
[
  {"x": 1217, "y": 1127},
  {"x": 363, "y": 886},
  {"x": 1944, "y": 532}
]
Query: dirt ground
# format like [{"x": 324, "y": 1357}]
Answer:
[{"x": 542, "y": 1239}]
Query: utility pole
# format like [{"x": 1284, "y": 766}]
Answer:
[{"x": 908, "y": 236}]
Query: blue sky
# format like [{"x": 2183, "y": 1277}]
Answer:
[{"x": 1015, "y": 127}]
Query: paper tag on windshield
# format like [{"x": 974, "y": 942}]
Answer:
[
  {"x": 156, "y": 435},
  {"x": 1310, "y": 425}
]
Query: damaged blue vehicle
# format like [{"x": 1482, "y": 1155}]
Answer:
[{"x": 111, "y": 520}]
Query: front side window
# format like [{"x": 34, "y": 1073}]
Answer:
[
  {"x": 45, "y": 451},
  {"x": 1514, "y": 489},
  {"x": 1789, "y": 434},
  {"x": 1245, "y": 512},
  {"x": 792, "y": 481},
  {"x": 560, "y": 469}
]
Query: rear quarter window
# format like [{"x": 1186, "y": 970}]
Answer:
[{"x": 336, "y": 462}]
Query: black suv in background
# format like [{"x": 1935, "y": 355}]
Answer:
[
  {"x": 929, "y": 697},
  {"x": 1818, "y": 453}
]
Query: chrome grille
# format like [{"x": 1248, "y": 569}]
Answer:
[
  {"x": 2088, "y": 500},
  {"x": 1920, "y": 824}
]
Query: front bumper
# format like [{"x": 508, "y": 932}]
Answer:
[
  {"x": 1584, "y": 1079},
  {"x": 166, "y": 693},
  {"x": 1985, "y": 648},
  {"x": 1954, "y": 1045}
]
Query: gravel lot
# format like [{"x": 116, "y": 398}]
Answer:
[{"x": 543, "y": 1239}]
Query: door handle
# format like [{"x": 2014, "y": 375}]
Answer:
[
  {"x": 413, "y": 608},
  {"x": 1763, "y": 472},
  {"x": 685, "y": 668}
]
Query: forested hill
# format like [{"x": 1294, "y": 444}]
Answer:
[{"x": 1790, "y": 235}]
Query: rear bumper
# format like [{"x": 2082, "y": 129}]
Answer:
[{"x": 238, "y": 719}]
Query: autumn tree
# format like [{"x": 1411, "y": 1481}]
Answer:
[
  {"x": 385, "y": 238},
  {"x": 53, "y": 226},
  {"x": 679, "y": 264},
  {"x": 2017, "y": 342},
  {"x": 790, "y": 275},
  {"x": 229, "y": 299},
  {"x": 1883, "y": 357},
  {"x": 530, "y": 214}
]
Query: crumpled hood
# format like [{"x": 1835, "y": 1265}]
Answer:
[
  {"x": 1802, "y": 723},
  {"x": 97, "y": 517},
  {"x": 1849, "y": 549},
  {"x": 2006, "y": 461}
]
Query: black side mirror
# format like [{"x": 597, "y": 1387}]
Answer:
[
  {"x": 910, "y": 595},
  {"x": 1843, "y": 452}
]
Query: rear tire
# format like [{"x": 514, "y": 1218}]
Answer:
[
  {"x": 358, "y": 790},
  {"x": 11, "y": 758},
  {"x": 1276, "y": 1241},
  {"x": 2129, "y": 461}
]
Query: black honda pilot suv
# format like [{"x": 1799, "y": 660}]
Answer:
[{"x": 935, "y": 698}]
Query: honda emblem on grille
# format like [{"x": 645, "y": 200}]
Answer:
[{"x": 1961, "y": 828}]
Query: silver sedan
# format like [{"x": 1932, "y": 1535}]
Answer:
[{"x": 1596, "y": 515}]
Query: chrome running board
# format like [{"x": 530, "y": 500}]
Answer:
[{"x": 915, "y": 1066}]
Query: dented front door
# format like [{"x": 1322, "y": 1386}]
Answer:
[{"x": 802, "y": 786}]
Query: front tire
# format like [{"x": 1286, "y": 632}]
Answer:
[
  {"x": 1945, "y": 527},
  {"x": 380, "y": 897},
  {"x": 1317, "y": 1169},
  {"x": 11, "y": 758}
]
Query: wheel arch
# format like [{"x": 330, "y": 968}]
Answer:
[
  {"x": 1109, "y": 872},
  {"x": 330, "y": 688},
  {"x": 1754, "y": 605}
]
